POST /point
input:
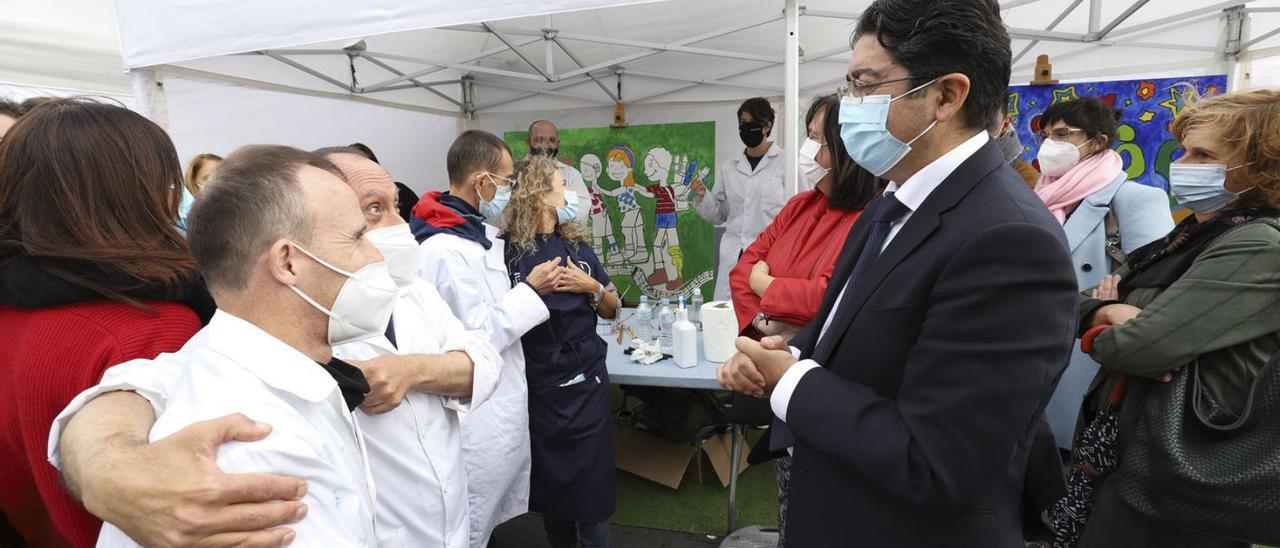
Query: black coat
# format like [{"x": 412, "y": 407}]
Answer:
[{"x": 936, "y": 371}]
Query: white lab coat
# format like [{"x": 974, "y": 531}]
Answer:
[
  {"x": 495, "y": 438},
  {"x": 232, "y": 366},
  {"x": 415, "y": 450},
  {"x": 744, "y": 201}
]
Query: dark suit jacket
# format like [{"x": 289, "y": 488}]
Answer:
[{"x": 936, "y": 370}]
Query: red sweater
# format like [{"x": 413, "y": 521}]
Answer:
[
  {"x": 50, "y": 355},
  {"x": 801, "y": 246}
]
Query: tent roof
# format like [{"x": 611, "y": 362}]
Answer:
[{"x": 507, "y": 55}]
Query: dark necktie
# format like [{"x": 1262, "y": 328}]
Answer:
[
  {"x": 884, "y": 211},
  {"x": 391, "y": 331}
]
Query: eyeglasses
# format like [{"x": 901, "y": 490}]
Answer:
[
  {"x": 1057, "y": 134},
  {"x": 858, "y": 90},
  {"x": 510, "y": 181}
]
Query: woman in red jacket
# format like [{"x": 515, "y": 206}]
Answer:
[
  {"x": 780, "y": 278},
  {"x": 92, "y": 273}
]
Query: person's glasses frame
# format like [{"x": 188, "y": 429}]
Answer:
[
  {"x": 1060, "y": 134},
  {"x": 854, "y": 89}
]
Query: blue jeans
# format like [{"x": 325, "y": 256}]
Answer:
[{"x": 565, "y": 533}]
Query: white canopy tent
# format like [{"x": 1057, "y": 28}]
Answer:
[{"x": 405, "y": 77}]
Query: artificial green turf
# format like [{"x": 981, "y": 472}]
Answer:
[{"x": 698, "y": 507}]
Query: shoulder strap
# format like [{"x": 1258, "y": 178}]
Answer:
[{"x": 1111, "y": 224}]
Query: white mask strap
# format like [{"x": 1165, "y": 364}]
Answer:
[
  {"x": 323, "y": 262},
  {"x": 914, "y": 89}
]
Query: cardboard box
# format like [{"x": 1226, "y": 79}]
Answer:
[{"x": 667, "y": 462}]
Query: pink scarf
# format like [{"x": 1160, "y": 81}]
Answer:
[{"x": 1062, "y": 194}]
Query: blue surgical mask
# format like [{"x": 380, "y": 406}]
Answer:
[
  {"x": 569, "y": 211},
  {"x": 493, "y": 209},
  {"x": 864, "y": 128},
  {"x": 1201, "y": 187}
]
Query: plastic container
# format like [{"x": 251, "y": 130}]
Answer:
[
  {"x": 666, "y": 318},
  {"x": 643, "y": 319},
  {"x": 695, "y": 308},
  {"x": 684, "y": 340}
]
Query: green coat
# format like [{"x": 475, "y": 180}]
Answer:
[{"x": 1225, "y": 312}]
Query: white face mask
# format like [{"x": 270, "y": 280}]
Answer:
[
  {"x": 809, "y": 166},
  {"x": 364, "y": 303},
  {"x": 1057, "y": 157},
  {"x": 400, "y": 249}
]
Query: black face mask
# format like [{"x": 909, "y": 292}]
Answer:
[
  {"x": 752, "y": 134},
  {"x": 548, "y": 152}
]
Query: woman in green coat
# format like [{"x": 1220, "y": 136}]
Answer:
[{"x": 1209, "y": 292}]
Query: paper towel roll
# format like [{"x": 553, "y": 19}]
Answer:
[{"x": 719, "y": 330}]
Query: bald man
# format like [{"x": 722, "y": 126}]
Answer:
[
  {"x": 425, "y": 369},
  {"x": 544, "y": 140}
]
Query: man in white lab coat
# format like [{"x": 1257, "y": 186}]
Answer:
[
  {"x": 418, "y": 383},
  {"x": 464, "y": 258},
  {"x": 425, "y": 369},
  {"x": 750, "y": 189},
  {"x": 544, "y": 140},
  {"x": 295, "y": 277}
]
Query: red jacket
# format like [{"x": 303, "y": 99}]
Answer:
[
  {"x": 49, "y": 355},
  {"x": 801, "y": 246}
]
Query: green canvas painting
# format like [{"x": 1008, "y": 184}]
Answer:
[{"x": 643, "y": 225}]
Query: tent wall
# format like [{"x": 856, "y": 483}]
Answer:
[{"x": 214, "y": 116}]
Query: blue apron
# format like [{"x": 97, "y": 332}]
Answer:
[{"x": 571, "y": 435}]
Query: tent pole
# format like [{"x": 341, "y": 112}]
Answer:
[
  {"x": 548, "y": 33},
  {"x": 791, "y": 101},
  {"x": 1235, "y": 19},
  {"x": 148, "y": 87}
]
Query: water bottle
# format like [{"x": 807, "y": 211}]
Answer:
[
  {"x": 695, "y": 309},
  {"x": 681, "y": 307},
  {"x": 644, "y": 319},
  {"x": 665, "y": 320}
]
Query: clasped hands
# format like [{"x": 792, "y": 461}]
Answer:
[{"x": 757, "y": 367}]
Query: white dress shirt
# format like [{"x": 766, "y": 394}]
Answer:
[
  {"x": 911, "y": 193},
  {"x": 415, "y": 450},
  {"x": 232, "y": 366}
]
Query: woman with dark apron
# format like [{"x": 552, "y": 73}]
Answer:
[{"x": 572, "y": 481}]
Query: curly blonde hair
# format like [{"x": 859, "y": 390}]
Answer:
[
  {"x": 1248, "y": 121},
  {"x": 524, "y": 213}
]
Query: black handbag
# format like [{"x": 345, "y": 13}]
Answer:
[{"x": 1199, "y": 467}]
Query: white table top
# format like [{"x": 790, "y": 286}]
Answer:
[{"x": 660, "y": 373}]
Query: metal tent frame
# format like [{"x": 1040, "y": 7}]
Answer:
[{"x": 545, "y": 80}]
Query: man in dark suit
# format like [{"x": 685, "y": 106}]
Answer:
[{"x": 948, "y": 319}]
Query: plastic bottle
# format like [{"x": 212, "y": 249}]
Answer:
[
  {"x": 685, "y": 340},
  {"x": 695, "y": 309},
  {"x": 665, "y": 320},
  {"x": 644, "y": 319}
]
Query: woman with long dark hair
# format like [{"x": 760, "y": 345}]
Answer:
[{"x": 93, "y": 272}]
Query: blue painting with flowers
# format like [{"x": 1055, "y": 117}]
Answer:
[{"x": 1147, "y": 109}]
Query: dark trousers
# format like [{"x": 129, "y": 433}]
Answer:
[{"x": 565, "y": 533}]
